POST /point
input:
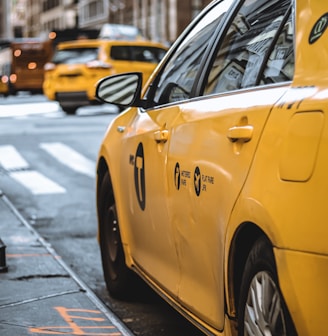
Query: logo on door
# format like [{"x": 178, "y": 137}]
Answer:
[
  {"x": 177, "y": 176},
  {"x": 197, "y": 181},
  {"x": 139, "y": 176},
  {"x": 318, "y": 28}
]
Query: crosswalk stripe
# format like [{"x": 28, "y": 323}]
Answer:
[
  {"x": 36, "y": 182},
  {"x": 11, "y": 159},
  {"x": 18, "y": 110},
  {"x": 70, "y": 158},
  {"x": 18, "y": 169}
]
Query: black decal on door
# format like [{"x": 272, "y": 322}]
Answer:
[
  {"x": 139, "y": 176},
  {"x": 318, "y": 29},
  {"x": 177, "y": 176},
  {"x": 197, "y": 181}
]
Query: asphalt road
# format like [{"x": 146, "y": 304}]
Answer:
[{"x": 58, "y": 199}]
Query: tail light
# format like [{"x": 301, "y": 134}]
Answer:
[
  {"x": 4, "y": 79},
  {"x": 32, "y": 66},
  {"x": 13, "y": 78}
]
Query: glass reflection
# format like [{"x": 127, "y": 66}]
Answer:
[{"x": 119, "y": 90}]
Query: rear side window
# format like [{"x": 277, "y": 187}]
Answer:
[
  {"x": 75, "y": 55},
  {"x": 256, "y": 49},
  {"x": 137, "y": 53}
]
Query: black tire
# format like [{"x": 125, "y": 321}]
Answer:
[
  {"x": 260, "y": 296},
  {"x": 120, "y": 280},
  {"x": 69, "y": 110}
]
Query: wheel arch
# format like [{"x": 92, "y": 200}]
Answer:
[
  {"x": 241, "y": 244},
  {"x": 102, "y": 169}
]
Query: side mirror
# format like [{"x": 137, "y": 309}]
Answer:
[{"x": 123, "y": 90}]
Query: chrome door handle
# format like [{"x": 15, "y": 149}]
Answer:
[
  {"x": 240, "y": 133},
  {"x": 161, "y": 136}
]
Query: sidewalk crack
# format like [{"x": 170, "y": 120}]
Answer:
[{"x": 41, "y": 276}]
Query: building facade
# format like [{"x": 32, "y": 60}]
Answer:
[
  {"x": 158, "y": 20},
  {"x": 5, "y": 19}
]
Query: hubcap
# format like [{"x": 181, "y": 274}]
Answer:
[
  {"x": 264, "y": 315},
  {"x": 113, "y": 239}
]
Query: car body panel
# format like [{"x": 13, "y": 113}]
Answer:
[
  {"x": 214, "y": 165},
  {"x": 206, "y": 173},
  {"x": 141, "y": 178},
  {"x": 4, "y": 87},
  {"x": 307, "y": 305}
]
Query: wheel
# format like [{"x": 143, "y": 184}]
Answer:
[
  {"x": 120, "y": 280},
  {"x": 69, "y": 110},
  {"x": 262, "y": 310}
]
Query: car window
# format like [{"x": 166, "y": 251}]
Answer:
[
  {"x": 75, "y": 55},
  {"x": 280, "y": 65},
  {"x": 245, "y": 47},
  {"x": 137, "y": 53},
  {"x": 178, "y": 76}
]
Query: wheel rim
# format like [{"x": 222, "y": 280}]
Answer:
[
  {"x": 264, "y": 314},
  {"x": 112, "y": 240}
]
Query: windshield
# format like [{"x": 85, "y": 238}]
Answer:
[{"x": 75, "y": 55}]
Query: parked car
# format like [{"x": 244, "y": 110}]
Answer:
[
  {"x": 212, "y": 186},
  {"x": 76, "y": 66}
]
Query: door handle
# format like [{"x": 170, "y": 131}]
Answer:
[
  {"x": 240, "y": 133},
  {"x": 161, "y": 136}
]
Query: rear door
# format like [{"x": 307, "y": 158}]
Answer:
[{"x": 213, "y": 141}]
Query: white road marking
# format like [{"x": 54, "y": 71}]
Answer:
[
  {"x": 71, "y": 158},
  {"x": 18, "y": 169},
  {"x": 11, "y": 159},
  {"x": 37, "y": 183},
  {"x": 18, "y": 110}
]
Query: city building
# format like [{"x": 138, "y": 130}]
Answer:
[
  {"x": 5, "y": 19},
  {"x": 158, "y": 20}
]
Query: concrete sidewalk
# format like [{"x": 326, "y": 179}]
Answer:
[{"x": 39, "y": 293}]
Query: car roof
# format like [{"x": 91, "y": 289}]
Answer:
[{"x": 98, "y": 42}]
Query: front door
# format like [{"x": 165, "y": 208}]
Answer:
[{"x": 144, "y": 152}]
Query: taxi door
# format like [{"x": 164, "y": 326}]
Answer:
[
  {"x": 211, "y": 150},
  {"x": 144, "y": 149},
  {"x": 212, "y": 145}
]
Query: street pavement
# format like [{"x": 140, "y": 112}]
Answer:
[{"x": 39, "y": 293}]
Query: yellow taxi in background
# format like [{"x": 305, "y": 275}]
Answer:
[
  {"x": 212, "y": 186},
  {"x": 4, "y": 86},
  {"x": 76, "y": 67}
]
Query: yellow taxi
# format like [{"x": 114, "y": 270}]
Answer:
[
  {"x": 76, "y": 67},
  {"x": 212, "y": 183},
  {"x": 4, "y": 87}
]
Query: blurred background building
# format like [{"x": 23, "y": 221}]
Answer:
[
  {"x": 5, "y": 19},
  {"x": 159, "y": 20}
]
